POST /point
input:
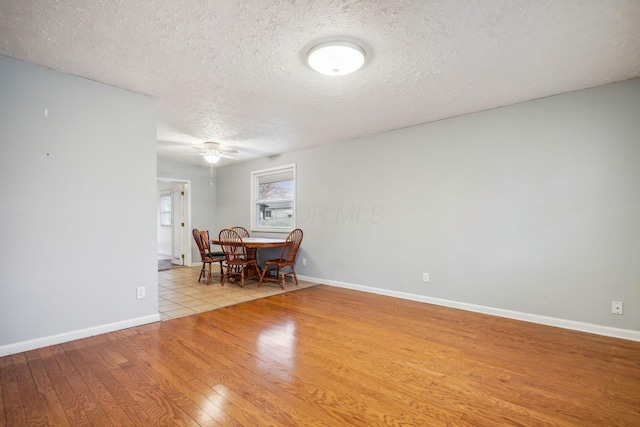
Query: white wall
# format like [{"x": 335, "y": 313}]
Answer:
[
  {"x": 203, "y": 197},
  {"x": 532, "y": 208},
  {"x": 77, "y": 219}
]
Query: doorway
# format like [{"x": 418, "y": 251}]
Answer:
[{"x": 173, "y": 223}]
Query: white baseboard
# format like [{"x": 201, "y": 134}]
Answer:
[
  {"x": 626, "y": 334},
  {"x": 75, "y": 335}
]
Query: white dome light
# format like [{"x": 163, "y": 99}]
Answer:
[
  {"x": 336, "y": 58},
  {"x": 211, "y": 158}
]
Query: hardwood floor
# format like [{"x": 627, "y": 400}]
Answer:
[{"x": 327, "y": 356}]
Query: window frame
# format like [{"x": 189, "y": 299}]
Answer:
[
  {"x": 255, "y": 192},
  {"x": 163, "y": 197}
]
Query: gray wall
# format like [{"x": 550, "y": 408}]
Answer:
[
  {"x": 532, "y": 208},
  {"x": 203, "y": 196},
  {"x": 77, "y": 219}
]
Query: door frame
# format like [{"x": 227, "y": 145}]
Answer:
[
  {"x": 186, "y": 238},
  {"x": 178, "y": 223}
]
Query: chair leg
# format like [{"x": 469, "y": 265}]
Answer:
[
  {"x": 202, "y": 272},
  {"x": 294, "y": 275},
  {"x": 209, "y": 276},
  {"x": 264, "y": 271},
  {"x": 242, "y": 276}
]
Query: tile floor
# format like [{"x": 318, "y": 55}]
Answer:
[{"x": 180, "y": 294}]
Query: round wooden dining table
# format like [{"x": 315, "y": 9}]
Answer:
[
  {"x": 258, "y": 242},
  {"x": 253, "y": 244}
]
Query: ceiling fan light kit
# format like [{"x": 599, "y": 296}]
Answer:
[
  {"x": 336, "y": 58},
  {"x": 210, "y": 158},
  {"x": 212, "y": 152}
]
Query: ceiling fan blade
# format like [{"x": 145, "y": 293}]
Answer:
[
  {"x": 215, "y": 150},
  {"x": 211, "y": 146},
  {"x": 214, "y": 146}
]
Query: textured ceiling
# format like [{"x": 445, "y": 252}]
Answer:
[{"x": 234, "y": 71}]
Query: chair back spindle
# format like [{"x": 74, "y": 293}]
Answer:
[
  {"x": 290, "y": 250},
  {"x": 202, "y": 246},
  {"x": 235, "y": 253},
  {"x": 243, "y": 232},
  {"x": 231, "y": 244}
]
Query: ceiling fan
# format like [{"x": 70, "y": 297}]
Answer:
[{"x": 213, "y": 152}]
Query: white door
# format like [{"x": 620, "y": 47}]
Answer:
[{"x": 177, "y": 226}]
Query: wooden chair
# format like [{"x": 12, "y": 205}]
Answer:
[
  {"x": 243, "y": 232},
  {"x": 287, "y": 259},
  {"x": 235, "y": 253},
  {"x": 207, "y": 241},
  {"x": 252, "y": 253},
  {"x": 207, "y": 257}
]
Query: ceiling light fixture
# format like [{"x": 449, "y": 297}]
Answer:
[
  {"x": 336, "y": 58},
  {"x": 211, "y": 158}
]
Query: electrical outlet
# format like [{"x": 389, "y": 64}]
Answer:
[
  {"x": 304, "y": 261},
  {"x": 616, "y": 307},
  {"x": 141, "y": 292},
  {"x": 425, "y": 277}
]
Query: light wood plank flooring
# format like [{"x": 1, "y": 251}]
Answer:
[{"x": 327, "y": 356}]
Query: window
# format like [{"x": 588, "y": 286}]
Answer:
[
  {"x": 273, "y": 193},
  {"x": 165, "y": 210}
]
